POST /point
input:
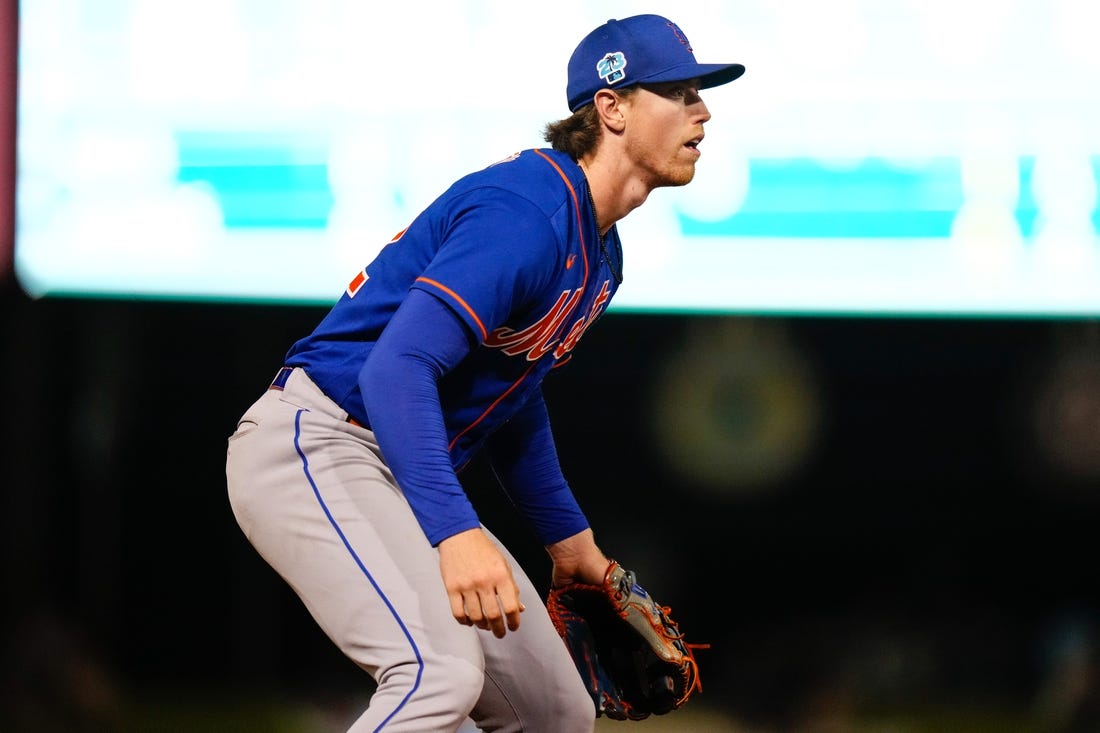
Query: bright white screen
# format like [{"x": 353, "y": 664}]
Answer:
[{"x": 879, "y": 156}]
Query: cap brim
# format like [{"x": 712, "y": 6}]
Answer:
[
  {"x": 709, "y": 75},
  {"x": 714, "y": 75}
]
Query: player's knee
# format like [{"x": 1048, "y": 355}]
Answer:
[
  {"x": 436, "y": 696},
  {"x": 459, "y": 681}
]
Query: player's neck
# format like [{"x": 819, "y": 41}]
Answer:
[{"x": 615, "y": 193}]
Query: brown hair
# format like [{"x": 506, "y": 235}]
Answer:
[{"x": 578, "y": 134}]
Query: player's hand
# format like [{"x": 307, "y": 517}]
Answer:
[{"x": 479, "y": 583}]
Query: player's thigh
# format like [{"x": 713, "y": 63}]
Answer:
[{"x": 358, "y": 558}]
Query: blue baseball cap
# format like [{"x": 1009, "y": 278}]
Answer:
[{"x": 641, "y": 49}]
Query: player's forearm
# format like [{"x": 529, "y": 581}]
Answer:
[{"x": 525, "y": 459}]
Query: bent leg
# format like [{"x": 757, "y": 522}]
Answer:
[{"x": 315, "y": 500}]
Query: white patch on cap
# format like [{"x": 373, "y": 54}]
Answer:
[{"x": 611, "y": 67}]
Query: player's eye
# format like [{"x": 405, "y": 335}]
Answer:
[
  {"x": 677, "y": 90},
  {"x": 672, "y": 92}
]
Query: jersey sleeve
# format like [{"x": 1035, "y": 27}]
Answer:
[
  {"x": 525, "y": 459},
  {"x": 498, "y": 253},
  {"x": 398, "y": 382}
]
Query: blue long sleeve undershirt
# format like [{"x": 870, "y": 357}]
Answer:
[
  {"x": 398, "y": 382},
  {"x": 525, "y": 460}
]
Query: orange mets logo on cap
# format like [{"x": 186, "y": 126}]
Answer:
[{"x": 611, "y": 67}]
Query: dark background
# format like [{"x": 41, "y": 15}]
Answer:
[{"x": 933, "y": 542}]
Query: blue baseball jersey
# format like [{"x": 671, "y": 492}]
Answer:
[{"x": 514, "y": 251}]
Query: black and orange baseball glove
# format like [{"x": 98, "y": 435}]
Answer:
[{"x": 627, "y": 648}]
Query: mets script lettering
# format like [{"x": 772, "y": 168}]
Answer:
[{"x": 538, "y": 339}]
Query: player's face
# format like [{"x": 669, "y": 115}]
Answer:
[{"x": 664, "y": 130}]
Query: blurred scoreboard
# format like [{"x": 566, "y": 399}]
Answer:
[{"x": 885, "y": 157}]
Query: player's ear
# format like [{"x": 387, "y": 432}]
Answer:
[{"x": 609, "y": 107}]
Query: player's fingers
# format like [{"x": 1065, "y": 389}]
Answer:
[
  {"x": 494, "y": 616},
  {"x": 512, "y": 607},
  {"x": 475, "y": 612},
  {"x": 458, "y": 609},
  {"x": 512, "y": 618}
]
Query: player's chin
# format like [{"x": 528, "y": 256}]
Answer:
[{"x": 680, "y": 175}]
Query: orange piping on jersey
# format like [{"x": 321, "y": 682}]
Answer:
[
  {"x": 357, "y": 282},
  {"x": 461, "y": 302},
  {"x": 576, "y": 208},
  {"x": 491, "y": 407},
  {"x": 584, "y": 282}
]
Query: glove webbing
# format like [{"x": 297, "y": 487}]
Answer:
[{"x": 654, "y": 621}]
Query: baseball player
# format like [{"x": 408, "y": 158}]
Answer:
[{"x": 344, "y": 473}]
